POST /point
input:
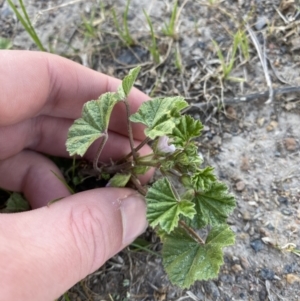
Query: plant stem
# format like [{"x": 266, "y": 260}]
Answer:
[
  {"x": 116, "y": 168},
  {"x": 191, "y": 232},
  {"x": 100, "y": 149},
  {"x": 144, "y": 142},
  {"x": 129, "y": 128},
  {"x": 136, "y": 182}
]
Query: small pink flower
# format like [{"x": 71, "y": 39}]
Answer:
[{"x": 164, "y": 147}]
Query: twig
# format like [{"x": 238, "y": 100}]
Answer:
[{"x": 247, "y": 98}]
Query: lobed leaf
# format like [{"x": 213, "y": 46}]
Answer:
[
  {"x": 187, "y": 129},
  {"x": 159, "y": 115},
  {"x": 92, "y": 125},
  {"x": 186, "y": 260},
  {"x": 188, "y": 159},
  {"x": 213, "y": 206},
  {"x": 203, "y": 179},
  {"x": 164, "y": 207}
]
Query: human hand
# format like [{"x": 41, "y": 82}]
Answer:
[{"x": 45, "y": 251}]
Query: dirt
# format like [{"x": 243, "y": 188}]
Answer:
[{"x": 254, "y": 146}]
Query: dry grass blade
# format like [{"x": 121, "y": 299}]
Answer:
[{"x": 262, "y": 57}]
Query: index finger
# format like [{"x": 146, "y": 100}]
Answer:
[{"x": 37, "y": 83}]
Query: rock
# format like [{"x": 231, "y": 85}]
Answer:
[
  {"x": 267, "y": 274},
  {"x": 286, "y": 212},
  {"x": 272, "y": 126},
  {"x": 231, "y": 112},
  {"x": 257, "y": 245},
  {"x": 245, "y": 263},
  {"x": 246, "y": 216},
  {"x": 292, "y": 278},
  {"x": 290, "y": 144},
  {"x": 261, "y": 22},
  {"x": 260, "y": 122},
  {"x": 245, "y": 164},
  {"x": 212, "y": 290},
  {"x": 282, "y": 200},
  {"x": 240, "y": 186},
  {"x": 290, "y": 268},
  {"x": 237, "y": 268}
]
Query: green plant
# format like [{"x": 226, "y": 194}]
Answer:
[
  {"x": 169, "y": 28},
  {"x": 25, "y": 21},
  {"x": 153, "y": 49},
  {"x": 240, "y": 41},
  {"x": 124, "y": 31},
  {"x": 187, "y": 206},
  {"x": 5, "y": 43}
]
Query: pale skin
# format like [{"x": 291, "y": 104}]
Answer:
[{"x": 45, "y": 251}]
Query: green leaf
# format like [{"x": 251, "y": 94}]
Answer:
[
  {"x": 187, "y": 129},
  {"x": 128, "y": 81},
  {"x": 213, "y": 206},
  {"x": 160, "y": 115},
  {"x": 92, "y": 125},
  {"x": 188, "y": 159},
  {"x": 5, "y": 43},
  {"x": 203, "y": 179},
  {"x": 164, "y": 207},
  {"x": 186, "y": 261},
  {"x": 119, "y": 180},
  {"x": 16, "y": 203}
]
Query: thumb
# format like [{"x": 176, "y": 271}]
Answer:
[{"x": 48, "y": 250}]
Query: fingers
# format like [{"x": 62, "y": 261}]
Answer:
[
  {"x": 33, "y": 83},
  {"x": 48, "y": 250},
  {"x": 48, "y": 135},
  {"x": 34, "y": 175}
]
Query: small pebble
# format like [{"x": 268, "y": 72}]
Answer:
[
  {"x": 282, "y": 200},
  {"x": 212, "y": 290},
  {"x": 267, "y": 274},
  {"x": 237, "y": 268},
  {"x": 246, "y": 216},
  {"x": 290, "y": 144},
  {"x": 286, "y": 212},
  {"x": 240, "y": 186},
  {"x": 245, "y": 166},
  {"x": 261, "y": 22},
  {"x": 257, "y": 245},
  {"x": 292, "y": 278},
  {"x": 272, "y": 126}
]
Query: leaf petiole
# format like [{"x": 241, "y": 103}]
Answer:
[{"x": 191, "y": 232}]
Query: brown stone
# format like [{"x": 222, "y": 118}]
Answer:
[
  {"x": 291, "y": 278},
  {"x": 240, "y": 186},
  {"x": 290, "y": 144}
]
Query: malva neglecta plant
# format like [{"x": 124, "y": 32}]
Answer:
[{"x": 187, "y": 207}]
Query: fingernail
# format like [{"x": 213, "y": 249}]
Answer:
[{"x": 133, "y": 210}]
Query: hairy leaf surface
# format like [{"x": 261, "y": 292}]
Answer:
[
  {"x": 186, "y": 260},
  {"x": 92, "y": 125},
  {"x": 187, "y": 129},
  {"x": 164, "y": 207},
  {"x": 160, "y": 115},
  {"x": 128, "y": 81},
  {"x": 203, "y": 179},
  {"x": 213, "y": 206}
]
